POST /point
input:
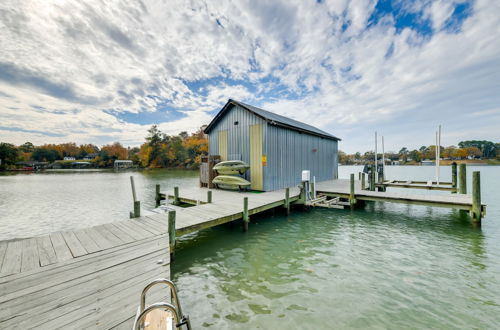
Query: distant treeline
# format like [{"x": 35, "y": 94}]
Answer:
[
  {"x": 160, "y": 150},
  {"x": 473, "y": 149}
]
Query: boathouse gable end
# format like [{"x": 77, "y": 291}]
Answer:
[{"x": 276, "y": 148}]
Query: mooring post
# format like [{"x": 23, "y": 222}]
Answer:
[
  {"x": 171, "y": 233},
  {"x": 462, "y": 189},
  {"x": 157, "y": 195},
  {"x": 313, "y": 190},
  {"x": 352, "y": 199},
  {"x": 176, "y": 196},
  {"x": 454, "y": 177},
  {"x": 133, "y": 188},
  {"x": 476, "y": 197},
  {"x": 372, "y": 179},
  {"x": 209, "y": 196},
  {"x": 287, "y": 200},
  {"x": 302, "y": 198},
  {"x": 363, "y": 181},
  {"x": 246, "y": 217},
  {"x": 137, "y": 209}
]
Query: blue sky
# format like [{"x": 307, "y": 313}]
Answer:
[{"x": 98, "y": 72}]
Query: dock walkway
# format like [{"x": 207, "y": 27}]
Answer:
[{"x": 92, "y": 278}]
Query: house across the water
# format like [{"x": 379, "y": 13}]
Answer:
[{"x": 277, "y": 148}]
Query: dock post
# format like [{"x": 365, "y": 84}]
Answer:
[
  {"x": 462, "y": 189},
  {"x": 287, "y": 201},
  {"x": 246, "y": 217},
  {"x": 372, "y": 179},
  {"x": 176, "y": 196},
  {"x": 454, "y": 177},
  {"x": 352, "y": 199},
  {"x": 157, "y": 195},
  {"x": 313, "y": 190},
  {"x": 476, "y": 198},
  {"x": 171, "y": 233},
  {"x": 137, "y": 209},
  {"x": 363, "y": 181},
  {"x": 209, "y": 196}
]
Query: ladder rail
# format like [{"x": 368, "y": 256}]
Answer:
[{"x": 161, "y": 305}]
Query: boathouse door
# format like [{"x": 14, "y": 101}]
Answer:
[
  {"x": 256, "y": 171},
  {"x": 223, "y": 145}
]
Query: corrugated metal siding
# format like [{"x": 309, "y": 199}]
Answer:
[
  {"x": 289, "y": 152},
  {"x": 238, "y": 136}
]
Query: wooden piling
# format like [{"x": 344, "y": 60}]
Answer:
[
  {"x": 137, "y": 209},
  {"x": 176, "y": 196},
  {"x": 462, "y": 189},
  {"x": 246, "y": 217},
  {"x": 313, "y": 190},
  {"x": 287, "y": 201},
  {"x": 476, "y": 197},
  {"x": 171, "y": 233},
  {"x": 134, "y": 196},
  {"x": 352, "y": 199},
  {"x": 454, "y": 177},
  {"x": 157, "y": 195},
  {"x": 372, "y": 179},
  {"x": 209, "y": 196},
  {"x": 363, "y": 183}
]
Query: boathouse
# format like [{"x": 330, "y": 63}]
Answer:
[{"x": 277, "y": 148}]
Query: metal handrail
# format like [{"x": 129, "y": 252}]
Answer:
[
  {"x": 162, "y": 305},
  {"x": 175, "y": 298},
  {"x": 173, "y": 291}
]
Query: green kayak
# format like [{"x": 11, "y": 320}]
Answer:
[
  {"x": 229, "y": 167},
  {"x": 230, "y": 182}
]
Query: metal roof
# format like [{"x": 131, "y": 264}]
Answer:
[{"x": 272, "y": 119}]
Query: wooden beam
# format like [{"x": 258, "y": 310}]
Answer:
[
  {"x": 171, "y": 233},
  {"x": 454, "y": 177},
  {"x": 176, "y": 196},
  {"x": 476, "y": 198},
  {"x": 246, "y": 217},
  {"x": 157, "y": 195},
  {"x": 287, "y": 200},
  {"x": 463, "y": 179}
]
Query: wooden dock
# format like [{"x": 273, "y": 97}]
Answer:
[
  {"x": 88, "y": 278},
  {"x": 92, "y": 278}
]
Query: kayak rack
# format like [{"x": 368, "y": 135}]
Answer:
[{"x": 169, "y": 311}]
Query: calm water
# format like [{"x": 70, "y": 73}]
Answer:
[{"x": 388, "y": 266}]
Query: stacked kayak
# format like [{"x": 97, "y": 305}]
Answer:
[
  {"x": 230, "y": 167},
  {"x": 230, "y": 182},
  {"x": 228, "y": 172}
]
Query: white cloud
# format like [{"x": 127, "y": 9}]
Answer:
[{"x": 78, "y": 60}]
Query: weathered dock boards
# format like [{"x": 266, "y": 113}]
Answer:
[
  {"x": 341, "y": 188},
  {"x": 226, "y": 206},
  {"x": 89, "y": 278}
]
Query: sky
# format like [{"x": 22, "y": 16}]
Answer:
[{"x": 105, "y": 71}]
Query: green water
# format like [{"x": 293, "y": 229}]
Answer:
[{"x": 388, "y": 266}]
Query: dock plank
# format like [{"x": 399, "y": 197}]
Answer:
[
  {"x": 126, "y": 238},
  {"x": 74, "y": 244},
  {"x": 3, "y": 248},
  {"x": 98, "y": 238},
  {"x": 30, "y": 259},
  {"x": 46, "y": 253},
  {"x": 62, "y": 250},
  {"x": 13, "y": 257},
  {"x": 109, "y": 236},
  {"x": 87, "y": 242}
]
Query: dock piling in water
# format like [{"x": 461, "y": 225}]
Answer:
[
  {"x": 352, "y": 199},
  {"x": 171, "y": 232},
  {"x": 176, "y": 196},
  {"x": 287, "y": 201},
  {"x": 157, "y": 195},
  {"x": 454, "y": 177},
  {"x": 462, "y": 189},
  {"x": 246, "y": 217},
  {"x": 476, "y": 197},
  {"x": 137, "y": 209},
  {"x": 363, "y": 183},
  {"x": 209, "y": 196}
]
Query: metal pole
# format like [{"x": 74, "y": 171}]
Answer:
[
  {"x": 438, "y": 153},
  {"x": 383, "y": 160},
  {"x": 376, "y": 152}
]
